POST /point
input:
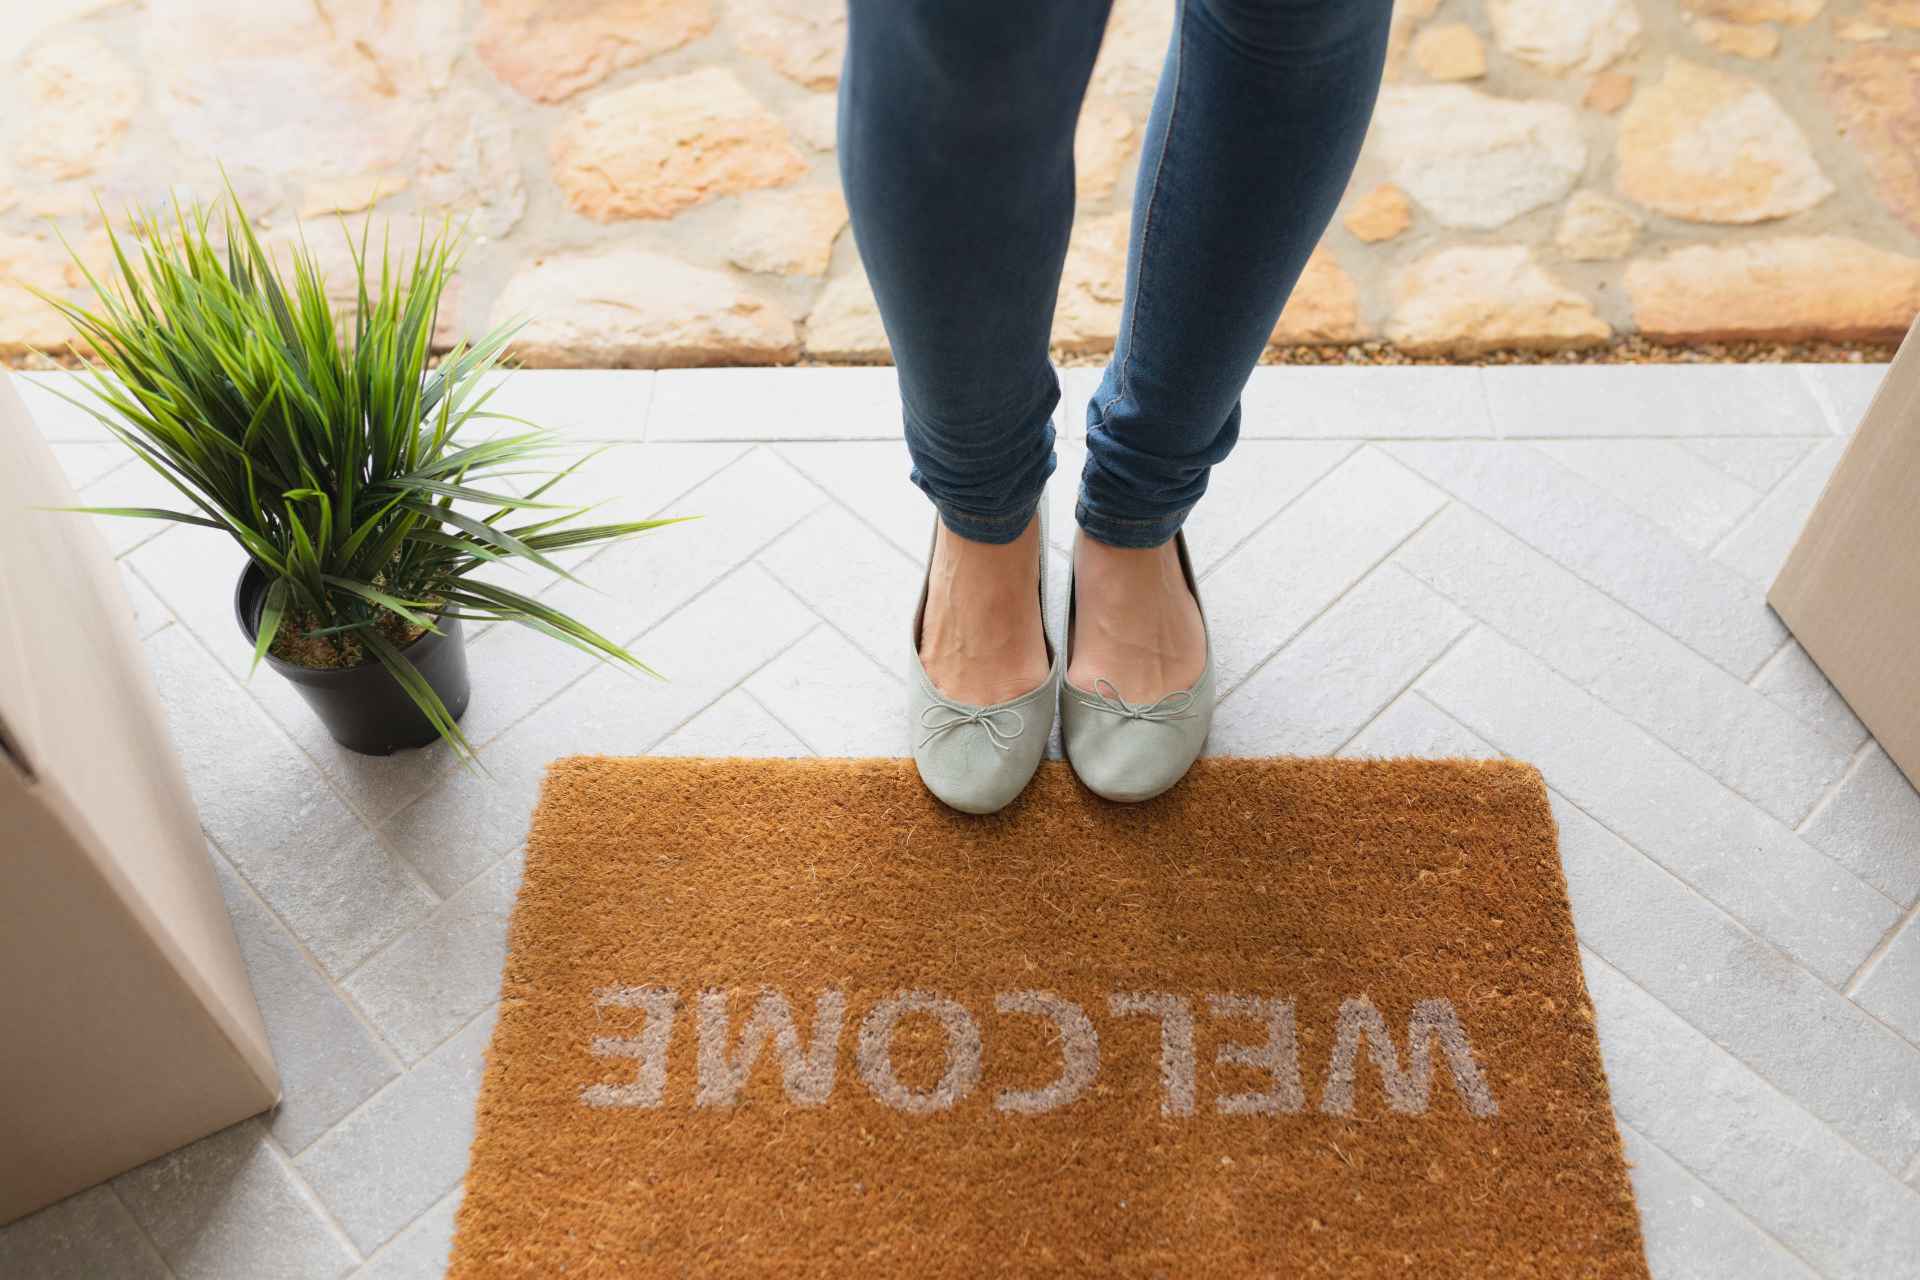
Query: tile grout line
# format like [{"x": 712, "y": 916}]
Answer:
[
  {"x": 115, "y": 468},
  {"x": 1783, "y": 1095},
  {"x": 1746, "y": 1217},
  {"x": 914, "y": 557},
  {"x": 325, "y": 778},
  {"x": 772, "y": 715},
  {"x": 1753, "y": 514},
  {"x": 1740, "y": 924},
  {"x": 299, "y": 942},
  {"x": 375, "y": 822},
  {"x": 1486, "y": 405},
  {"x": 1706, "y": 554},
  {"x": 828, "y": 623},
  {"x": 313, "y": 962},
  {"x": 1688, "y": 885},
  {"x": 395, "y": 1083},
  {"x": 1282, "y": 509},
  {"x": 1752, "y": 681},
  {"x": 396, "y": 939},
  {"x": 1747, "y": 513},
  {"x": 325, "y": 1212},
  {"x": 646, "y": 410},
  {"x": 1720, "y": 469},
  {"x": 709, "y": 704},
  {"x": 1880, "y": 949},
  {"x": 749, "y": 558},
  {"x": 373, "y": 1256},
  {"x": 660, "y": 511},
  {"x": 1821, "y": 396},
  {"x": 245, "y": 685},
  {"x": 1813, "y": 447},
  {"x": 745, "y": 563},
  {"x": 1692, "y": 553},
  {"x": 770, "y": 659},
  {"x": 1473, "y": 624},
  {"x": 273, "y": 913},
  {"x": 1752, "y": 504},
  {"x": 749, "y": 555},
  {"x": 1855, "y": 763},
  {"x": 1684, "y": 751},
  {"x": 739, "y": 684},
  {"x": 139, "y": 1227},
  {"x": 1334, "y": 603}
]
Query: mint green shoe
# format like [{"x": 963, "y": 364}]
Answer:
[
  {"x": 1133, "y": 751},
  {"x": 977, "y": 759}
]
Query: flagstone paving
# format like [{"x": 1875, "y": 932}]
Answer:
[
  {"x": 654, "y": 184},
  {"x": 1564, "y": 565}
]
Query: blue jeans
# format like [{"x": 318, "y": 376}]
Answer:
[{"x": 956, "y": 153}]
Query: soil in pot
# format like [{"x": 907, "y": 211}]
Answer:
[
  {"x": 362, "y": 706},
  {"x": 295, "y": 644}
]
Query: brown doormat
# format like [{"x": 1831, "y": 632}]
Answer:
[{"x": 796, "y": 1018}]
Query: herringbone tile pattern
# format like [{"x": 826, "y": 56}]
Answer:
[{"x": 1563, "y": 565}]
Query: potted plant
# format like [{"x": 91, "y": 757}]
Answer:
[{"x": 343, "y": 460}]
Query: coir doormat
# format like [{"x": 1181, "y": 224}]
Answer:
[{"x": 795, "y": 1018}]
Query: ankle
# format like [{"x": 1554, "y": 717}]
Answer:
[
  {"x": 985, "y": 575},
  {"x": 1136, "y": 622},
  {"x": 981, "y": 640},
  {"x": 1129, "y": 570}
]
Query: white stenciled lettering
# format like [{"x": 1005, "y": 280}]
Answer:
[
  {"x": 1079, "y": 1052},
  {"x": 1279, "y": 1056},
  {"x": 1259, "y": 1057},
  {"x": 1176, "y": 1043},
  {"x": 648, "y": 1049},
  {"x": 806, "y": 1075},
  {"x": 963, "y": 1053},
  {"x": 1407, "y": 1092}
]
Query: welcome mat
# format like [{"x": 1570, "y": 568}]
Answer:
[{"x": 797, "y": 1018}]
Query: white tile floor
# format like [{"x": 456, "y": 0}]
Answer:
[{"x": 1563, "y": 564}]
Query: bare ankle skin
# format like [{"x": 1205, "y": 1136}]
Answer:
[
  {"x": 1135, "y": 623},
  {"x": 981, "y": 639}
]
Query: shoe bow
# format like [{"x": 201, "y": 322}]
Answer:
[
  {"x": 944, "y": 717},
  {"x": 1177, "y": 705}
]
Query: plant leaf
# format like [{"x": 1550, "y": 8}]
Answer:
[
  {"x": 416, "y": 687},
  {"x": 272, "y": 610},
  {"x": 143, "y": 513},
  {"x": 324, "y": 438},
  {"x": 408, "y": 609}
]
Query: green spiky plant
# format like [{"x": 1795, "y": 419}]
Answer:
[{"x": 333, "y": 454}]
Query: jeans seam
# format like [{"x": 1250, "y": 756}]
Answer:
[
  {"x": 1146, "y": 522},
  {"x": 1123, "y": 383},
  {"x": 1157, "y": 530},
  {"x": 980, "y": 518}
]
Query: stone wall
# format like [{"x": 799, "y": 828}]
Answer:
[{"x": 652, "y": 181}]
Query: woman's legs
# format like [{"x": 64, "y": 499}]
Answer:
[
  {"x": 1258, "y": 119},
  {"x": 1259, "y": 116},
  {"x": 956, "y": 154},
  {"x": 956, "y": 134}
]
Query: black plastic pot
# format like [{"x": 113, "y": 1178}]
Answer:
[{"x": 364, "y": 707}]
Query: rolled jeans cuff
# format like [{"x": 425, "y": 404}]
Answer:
[
  {"x": 1117, "y": 531},
  {"x": 977, "y": 526}
]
